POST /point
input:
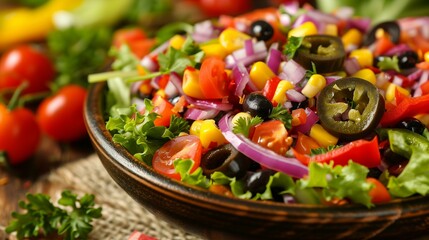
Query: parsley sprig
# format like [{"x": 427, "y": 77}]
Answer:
[
  {"x": 243, "y": 125},
  {"x": 292, "y": 46},
  {"x": 43, "y": 218},
  {"x": 282, "y": 114}
]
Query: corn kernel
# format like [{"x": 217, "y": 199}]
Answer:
[
  {"x": 196, "y": 127},
  {"x": 191, "y": 83},
  {"x": 214, "y": 50},
  {"x": 391, "y": 89},
  {"x": 366, "y": 74},
  {"x": 259, "y": 74},
  {"x": 305, "y": 29},
  {"x": 177, "y": 41},
  {"x": 280, "y": 93},
  {"x": 331, "y": 29},
  {"x": 364, "y": 56},
  {"x": 323, "y": 137},
  {"x": 352, "y": 38},
  {"x": 314, "y": 85},
  {"x": 426, "y": 56},
  {"x": 232, "y": 39},
  {"x": 210, "y": 134}
]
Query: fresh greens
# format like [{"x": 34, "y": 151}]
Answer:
[
  {"x": 292, "y": 46},
  {"x": 184, "y": 166},
  {"x": 243, "y": 125},
  {"x": 43, "y": 218},
  {"x": 322, "y": 150},
  {"x": 282, "y": 114},
  {"x": 389, "y": 63}
]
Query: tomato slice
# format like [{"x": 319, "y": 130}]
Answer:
[
  {"x": 183, "y": 147},
  {"x": 304, "y": 144},
  {"x": 379, "y": 193},
  {"x": 213, "y": 78},
  {"x": 165, "y": 110},
  {"x": 272, "y": 135}
]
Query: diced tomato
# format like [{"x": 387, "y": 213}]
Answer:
[
  {"x": 272, "y": 135},
  {"x": 304, "y": 144},
  {"x": 183, "y": 147},
  {"x": 379, "y": 193},
  {"x": 382, "y": 45},
  {"x": 136, "y": 39},
  {"x": 299, "y": 116},
  {"x": 213, "y": 78},
  {"x": 165, "y": 110}
]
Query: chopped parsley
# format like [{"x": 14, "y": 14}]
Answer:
[
  {"x": 243, "y": 125},
  {"x": 282, "y": 114}
]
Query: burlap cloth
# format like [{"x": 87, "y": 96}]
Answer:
[{"x": 121, "y": 214}]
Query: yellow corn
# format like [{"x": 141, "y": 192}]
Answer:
[
  {"x": 323, "y": 137},
  {"x": 364, "y": 56},
  {"x": 259, "y": 74},
  {"x": 424, "y": 118},
  {"x": 210, "y": 134},
  {"x": 177, "y": 41},
  {"x": 196, "y": 127},
  {"x": 240, "y": 115},
  {"x": 426, "y": 56},
  {"x": 331, "y": 29},
  {"x": 391, "y": 89},
  {"x": 352, "y": 38},
  {"x": 280, "y": 93},
  {"x": 366, "y": 74},
  {"x": 232, "y": 39},
  {"x": 305, "y": 29},
  {"x": 214, "y": 50},
  {"x": 191, "y": 83},
  {"x": 314, "y": 85}
]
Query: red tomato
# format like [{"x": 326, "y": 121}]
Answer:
[
  {"x": 61, "y": 116},
  {"x": 272, "y": 135},
  {"x": 213, "y": 78},
  {"x": 225, "y": 7},
  {"x": 304, "y": 144},
  {"x": 19, "y": 133},
  {"x": 184, "y": 147},
  {"x": 378, "y": 193},
  {"x": 165, "y": 110},
  {"x": 136, "y": 39},
  {"x": 299, "y": 117},
  {"x": 25, "y": 63}
]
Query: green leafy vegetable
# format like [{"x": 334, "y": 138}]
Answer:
[
  {"x": 184, "y": 166},
  {"x": 243, "y": 125},
  {"x": 389, "y": 63},
  {"x": 42, "y": 218},
  {"x": 322, "y": 150},
  {"x": 282, "y": 114},
  {"x": 125, "y": 60},
  {"x": 292, "y": 46}
]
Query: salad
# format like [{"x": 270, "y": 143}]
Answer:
[{"x": 285, "y": 104}]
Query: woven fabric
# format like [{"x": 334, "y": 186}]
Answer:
[{"x": 121, "y": 214}]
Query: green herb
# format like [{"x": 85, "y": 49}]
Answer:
[
  {"x": 125, "y": 60},
  {"x": 169, "y": 30},
  {"x": 184, "y": 166},
  {"x": 42, "y": 218},
  {"x": 137, "y": 132},
  {"x": 292, "y": 46},
  {"x": 389, "y": 63},
  {"x": 243, "y": 125},
  {"x": 309, "y": 73},
  {"x": 78, "y": 53},
  {"x": 322, "y": 150},
  {"x": 282, "y": 114},
  {"x": 178, "y": 125}
]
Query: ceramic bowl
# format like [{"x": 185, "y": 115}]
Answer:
[{"x": 213, "y": 216}]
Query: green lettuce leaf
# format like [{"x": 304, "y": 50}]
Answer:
[{"x": 184, "y": 166}]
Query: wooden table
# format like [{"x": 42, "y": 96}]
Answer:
[{"x": 15, "y": 183}]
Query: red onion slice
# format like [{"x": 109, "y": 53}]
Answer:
[
  {"x": 295, "y": 96},
  {"x": 312, "y": 118},
  {"x": 200, "y": 114},
  {"x": 261, "y": 155},
  {"x": 292, "y": 71},
  {"x": 274, "y": 59},
  {"x": 241, "y": 78}
]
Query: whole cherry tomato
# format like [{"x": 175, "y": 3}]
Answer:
[
  {"x": 26, "y": 63},
  {"x": 19, "y": 133},
  {"x": 61, "y": 115}
]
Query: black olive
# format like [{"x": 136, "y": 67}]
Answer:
[
  {"x": 256, "y": 182},
  {"x": 397, "y": 169},
  {"x": 303, "y": 104},
  {"x": 391, "y": 27},
  {"x": 413, "y": 125},
  {"x": 374, "y": 173},
  {"x": 225, "y": 159},
  {"x": 261, "y": 30},
  {"x": 392, "y": 158},
  {"x": 257, "y": 105},
  {"x": 408, "y": 59}
]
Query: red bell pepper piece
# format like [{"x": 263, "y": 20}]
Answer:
[
  {"x": 270, "y": 87},
  {"x": 360, "y": 151},
  {"x": 408, "y": 107}
]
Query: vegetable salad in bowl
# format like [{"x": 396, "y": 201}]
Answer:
[{"x": 285, "y": 104}]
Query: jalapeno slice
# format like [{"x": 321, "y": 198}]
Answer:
[
  {"x": 350, "y": 108},
  {"x": 325, "y": 51}
]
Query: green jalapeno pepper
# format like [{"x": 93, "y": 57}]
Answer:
[
  {"x": 350, "y": 108},
  {"x": 324, "y": 51}
]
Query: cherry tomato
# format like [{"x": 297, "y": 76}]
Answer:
[
  {"x": 19, "y": 133},
  {"x": 61, "y": 116},
  {"x": 272, "y": 135},
  {"x": 304, "y": 144},
  {"x": 225, "y": 7},
  {"x": 165, "y": 110},
  {"x": 184, "y": 147},
  {"x": 378, "y": 193},
  {"x": 26, "y": 63},
  {"x": 136, "y": 39},
  {"x": 213, "y": 78}
]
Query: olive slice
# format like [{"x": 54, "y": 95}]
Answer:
[
  {"x": 391, "y": 27},
  {"x": 324, "y": 51},
  {"x": 350, "y": 108}
]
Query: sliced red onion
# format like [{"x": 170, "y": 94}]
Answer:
[
  {"x": 351, "y": 65},
  {"x": 312, "y": 119},
  {"x": 382, "y": 79},
  {"x": 259, "y": 50},
  {"x": 148, "y": 63},
  {"x": 140, "y": 105},
  {"x": 414, "y": 76},
  {"x": 361, "y": 24},
  {"x": 295, "y": 96},
  {"x": 248, "y": 47},
  {"x": 274, "y": 59},
  {"x": 423, "y": 78},
  {"x": 305, "y": 18},
  {"x": 322, "y": 17},
  {"x": 135, "y": 87},
  {"x": 240, "y": 76},
  {"x": 344, "y": 13},
  {"x": 398, "y": 49},
  {"x": 290, "y": 7},
  {"x": 171, "y": 90},
  {"x": 288, "y": 198},
  {"x": 397, "y": 80},
  {"x": 155, "y": 82},
  {"x": 331, "y": 79},
  {"x": 200, "y": 114},
  {"x": 285, "y": 20},
  {"x": 204, "y": 31},
  {"x": 292, "y": 71},
  {"x": 161, "y": 48},
  {"x": 261, "y": 155}
]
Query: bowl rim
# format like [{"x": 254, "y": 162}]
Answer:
[{"x": 102, "y": 138}]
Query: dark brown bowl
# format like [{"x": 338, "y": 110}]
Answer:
[{"x": 214, "y": 216}]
